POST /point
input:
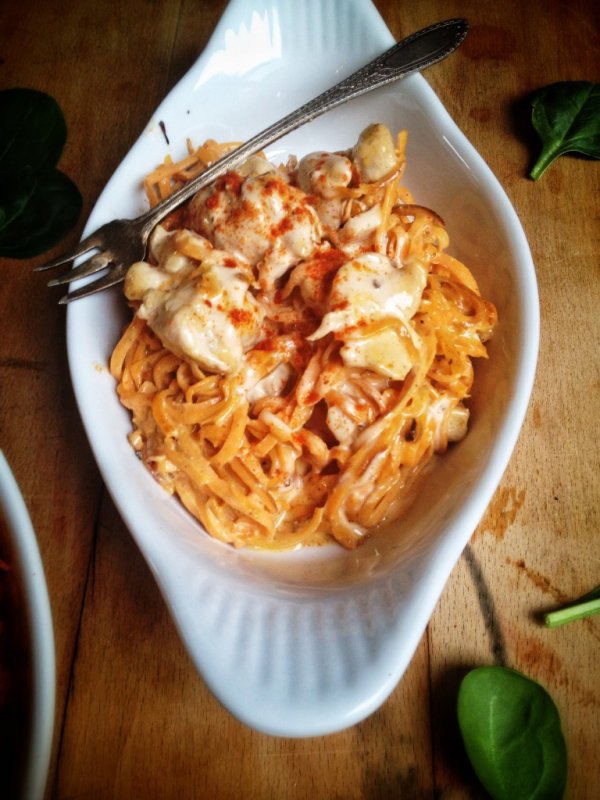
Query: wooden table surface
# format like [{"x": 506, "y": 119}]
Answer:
[{"x": 133, "y": 719}]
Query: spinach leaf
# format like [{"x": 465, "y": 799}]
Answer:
[
  {"x": 566, "y": 115},
  {"x": 48, "y": 214},
  {"x": 512, "y": 735},
  {"x": 32, "y": 129},
  {"x": 38, "y": 203},
  {"x": 16, "y": 190},
  {"x": 585, "y": 606}
]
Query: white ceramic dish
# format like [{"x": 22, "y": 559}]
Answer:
[
  {"x": 308, "y": 643},
  {"x": 36, "y": 609}
]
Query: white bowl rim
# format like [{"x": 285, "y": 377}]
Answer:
[{"x": 37, "y": 607}]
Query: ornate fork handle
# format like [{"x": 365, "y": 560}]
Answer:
[{"x": 417, "y": 51}]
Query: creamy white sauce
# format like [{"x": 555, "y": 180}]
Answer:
[
  {"x": 202, "y": 309},
  {"x": 342, "y": 427},
  {"x": 358, "y": 230},
  {"x": 367, "y": 289},
  {"x": 263, "y": 220},
  {"x": 324, "y": 174},
  {"x": 374, "y": 153},
  {"x": 272, "y": 385}
]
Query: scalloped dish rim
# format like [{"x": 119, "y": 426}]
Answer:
[{"x": 265, "y": 610}]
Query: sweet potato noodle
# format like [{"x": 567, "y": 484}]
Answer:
[{"x": 301, "y": 344}]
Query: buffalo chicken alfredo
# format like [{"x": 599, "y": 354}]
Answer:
[{"x": 301, "y": 344}]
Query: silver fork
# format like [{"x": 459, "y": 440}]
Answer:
[{"x": 123, "y": 241}]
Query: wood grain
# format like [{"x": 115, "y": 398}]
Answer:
[{"x": 133, "y": 718}]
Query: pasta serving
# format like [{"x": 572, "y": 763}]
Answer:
[{"x": 301, "y": 344}]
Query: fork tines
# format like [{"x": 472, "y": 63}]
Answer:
[
  {"x": 116, "y": 275},
  {"x": 85, "y": 245},
  {"x": 92, "y": 265}
]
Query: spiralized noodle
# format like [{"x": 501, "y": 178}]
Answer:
[{"x": 301, "y": 344}]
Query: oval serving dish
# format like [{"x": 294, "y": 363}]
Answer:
[{"x": 310, "y": 642}]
